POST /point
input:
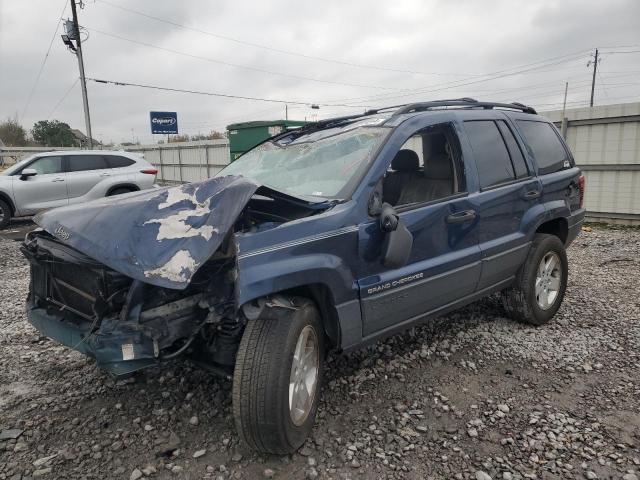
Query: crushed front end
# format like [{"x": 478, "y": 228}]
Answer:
[
  {"x": 127, "y": 324},
  {"x": 145, "y": 277}
]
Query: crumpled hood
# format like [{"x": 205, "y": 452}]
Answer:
[{"x": 160, "y": 236}]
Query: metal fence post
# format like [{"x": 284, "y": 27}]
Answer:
[
  {"x": 179, "y": 164},
  {"x": 161, "y": 167},
  {"x": 206, "y": 156},
  {"x": 563, "y": 127}
]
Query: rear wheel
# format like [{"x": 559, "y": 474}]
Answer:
[
  {"x": 5, "y": 214},
  {"x": 541, "y": 282},
  {"x": 119, "y": 191},
  {"x": 277, "y": 378}
]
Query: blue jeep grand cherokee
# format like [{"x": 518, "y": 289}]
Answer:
[{"x": 329, "y": 236}]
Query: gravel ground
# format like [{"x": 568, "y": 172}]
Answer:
[{"x": 471, "y": 395}]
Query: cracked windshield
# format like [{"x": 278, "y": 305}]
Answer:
[{"x": 311, "y": 166}]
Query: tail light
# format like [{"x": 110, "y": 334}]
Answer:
[
  {"x": 149, "y": 171},
  {"x": 581, "y": 189}
]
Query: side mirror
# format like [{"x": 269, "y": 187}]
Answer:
[
  {"x": 28, "y": 172},
  {"x": 388, "y": 218},
  {"x": 398, "y": 240}
]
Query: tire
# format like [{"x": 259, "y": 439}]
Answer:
[
  {"x": 119, "y": 191},
  {"x": 5, "y": 214},
  {"x": 522, "y": 301},
  {"x": 263, "y": 371}
]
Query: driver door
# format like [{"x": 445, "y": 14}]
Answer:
[
  {"x": 47, "y": 189},
  {"x": 426, "y": 185}
]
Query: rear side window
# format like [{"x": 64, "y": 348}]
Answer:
[
  {"x": 79, "y": 163},
  {"x": 517, "y": 159},
  {"x": 115, "y": 161},
  {"x": 492, "y": 158},
  {"x": 544, "y": 145}
]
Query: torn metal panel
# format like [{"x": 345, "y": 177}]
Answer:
[{"x": 161, "y": 237}]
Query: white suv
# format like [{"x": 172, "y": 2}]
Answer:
[{"x": 53, "y": 179}]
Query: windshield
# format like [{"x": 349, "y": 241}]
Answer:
[
  {"x": 17, "y": 166},
  {"x": 321, "y": 164}
]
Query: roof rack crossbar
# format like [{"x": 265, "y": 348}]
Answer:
[{"x": 461, "y": 102}]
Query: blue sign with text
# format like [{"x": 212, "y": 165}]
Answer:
[{"x": 164, "y": 122}]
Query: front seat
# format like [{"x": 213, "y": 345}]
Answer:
[
  {"x": 405, "y": 184},
  {"x": 439, "y": 176}
]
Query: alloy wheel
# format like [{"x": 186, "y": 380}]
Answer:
[
  {"x": 303, "y": 380},
  {"x": 548, "y": 280}
]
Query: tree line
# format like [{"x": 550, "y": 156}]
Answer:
[
  {"x": 54, "y": 133},
  {"x": 48, "y": 133}
]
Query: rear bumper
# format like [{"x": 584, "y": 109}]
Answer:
[
  {"x": 574, "y": 221},
  {"x": 116, "y": 350}
]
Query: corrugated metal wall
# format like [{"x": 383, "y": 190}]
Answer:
[
  {"x": 186, "y": 161},
  {"x": 605, "y": 142}
]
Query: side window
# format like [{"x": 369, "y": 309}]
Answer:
[
  {"x": 491, "y": 154},
  {"x": 115, "y": 161},
  {"x": 517, "y": 159},
  {"x": 47, "y": 165},
  {"x": 79, "y": 163},
  {"x": 425, "y": 169},
  {"x": 544, "y": 145}
]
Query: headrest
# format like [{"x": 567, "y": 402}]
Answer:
[
  {"x": 439, "y": 167},
  {"x": 405, "y": 161}
]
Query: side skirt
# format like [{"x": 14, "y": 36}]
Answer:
[{"x": 423, "y": 317}]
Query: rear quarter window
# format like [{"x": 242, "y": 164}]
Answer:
[
  {"x": 115, "y": 161},
  {"x": 544, "y": 146}
]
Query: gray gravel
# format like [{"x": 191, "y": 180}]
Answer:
[{"x": 471, "y": 395}]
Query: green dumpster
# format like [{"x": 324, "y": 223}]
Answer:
[{"x": 244, "y": 136}]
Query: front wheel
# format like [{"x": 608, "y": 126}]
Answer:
[
  {"x": 5, "y": 214},
  {"x": 541, "y": 282},
  {"x": 277, "y": 377}
]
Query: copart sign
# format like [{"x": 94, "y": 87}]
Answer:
[{"x": 164, "y": 122}]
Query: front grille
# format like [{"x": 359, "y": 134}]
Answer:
[
  {"x": 84, "y": 287},
  {"x": 75, "y": 286}
]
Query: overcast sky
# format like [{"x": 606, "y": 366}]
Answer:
[{"x": 352, "y": 53}]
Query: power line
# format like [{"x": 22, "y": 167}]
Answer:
[
  {"x": 274, "y": 49},
  {"x": 224, "y": 95},
  {"x": 44, "y": 61},
  {"x": 494, "y": 76},
  {"x": 625, "y": 51},
  {"x": 63, "y": 98},
  {"x": 229, "y": 64}
]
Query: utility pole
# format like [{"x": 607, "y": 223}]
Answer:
[
  {"x": 83, "y": 82},
  {"x": 593, "y": 81}
]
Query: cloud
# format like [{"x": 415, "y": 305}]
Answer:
[{"x": 448, "y": 39}]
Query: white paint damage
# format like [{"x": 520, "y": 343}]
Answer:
[
  {"x": 175, "y": 195},
  {"x": 178, "y": 269},
  {"x": 175, "y": 225}
]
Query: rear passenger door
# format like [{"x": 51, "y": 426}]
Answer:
[
  {"x": 84, "y": 172},
  {"x": 508, "y": 196}
]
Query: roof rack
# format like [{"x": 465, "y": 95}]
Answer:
[{"x": 461, "y": 102}]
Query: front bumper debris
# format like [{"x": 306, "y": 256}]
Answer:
[{"x": 118, "y": 351}]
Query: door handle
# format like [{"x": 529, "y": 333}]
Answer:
[
  {"x": 531, "y": 194},
  {"x": 57, "y": 180},
  {"x": 461, "y": 217},
  {"x": 105, "y": 174}
]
